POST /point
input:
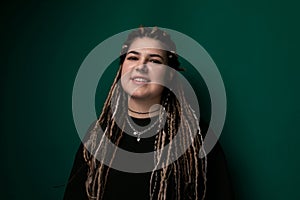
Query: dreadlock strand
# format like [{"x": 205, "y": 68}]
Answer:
[{"x": 117, "y": 140}]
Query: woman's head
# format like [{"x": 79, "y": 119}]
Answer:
[
  {"x": 144, "y": 70},
  {"x": 147, "y": 57}
]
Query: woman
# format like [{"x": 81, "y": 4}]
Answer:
[{"x": 141, "y": 114}]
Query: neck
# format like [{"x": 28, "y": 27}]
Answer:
[{"x": 142, "y": 108}]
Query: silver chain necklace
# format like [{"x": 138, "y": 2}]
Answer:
[{"x": 139, "y": 133}]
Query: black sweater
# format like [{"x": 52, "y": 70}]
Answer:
[{"x": 124, "y": 185}]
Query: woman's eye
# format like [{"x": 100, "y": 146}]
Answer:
[
  {"x": 155, "y": 61},
  {"x": 132, "y": 58}
]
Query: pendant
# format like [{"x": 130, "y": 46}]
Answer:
[{"x": 138, "y": 136}]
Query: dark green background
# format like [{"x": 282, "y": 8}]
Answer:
[{"x": 254, "y": 43}]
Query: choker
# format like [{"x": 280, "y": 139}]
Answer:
[{"x": 142, "y": 112}]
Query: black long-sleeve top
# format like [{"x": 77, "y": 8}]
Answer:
[{"x": 124, "y": 185}]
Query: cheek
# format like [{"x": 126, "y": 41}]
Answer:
[
  {"x": 124, "y": 69},
  {"x": 124, "y": 77},
  {"x": 125, "y": 72},
  {"x": 160, "y": 75}
]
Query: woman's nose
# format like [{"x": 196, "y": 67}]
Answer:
[{"x": 142, "y": 65}]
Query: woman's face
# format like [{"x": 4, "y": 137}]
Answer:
[{"x": 144, "y": 68}]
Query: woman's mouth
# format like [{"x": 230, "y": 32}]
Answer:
[{"x": 140, "y": 80}]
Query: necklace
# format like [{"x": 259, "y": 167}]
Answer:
[
  {"x": 139, "y": 133},
  {"x": 142, "y": 112}
]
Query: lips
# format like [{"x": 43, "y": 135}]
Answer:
[{"x": 140, "y": 79}]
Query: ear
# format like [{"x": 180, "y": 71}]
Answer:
[{"x": 170, "y": 74}]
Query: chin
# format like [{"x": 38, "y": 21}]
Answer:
[{"x": 139, "y": 96}]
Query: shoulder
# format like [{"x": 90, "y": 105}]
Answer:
[{"x": 218, "y": 177}]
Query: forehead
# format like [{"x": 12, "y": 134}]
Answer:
[{"x": 146, "y": 43}]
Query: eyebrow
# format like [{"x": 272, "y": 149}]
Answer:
[{"x": 151, "y": 55}]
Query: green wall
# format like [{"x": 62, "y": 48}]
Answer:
[{"x": 254, "y": 44}]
